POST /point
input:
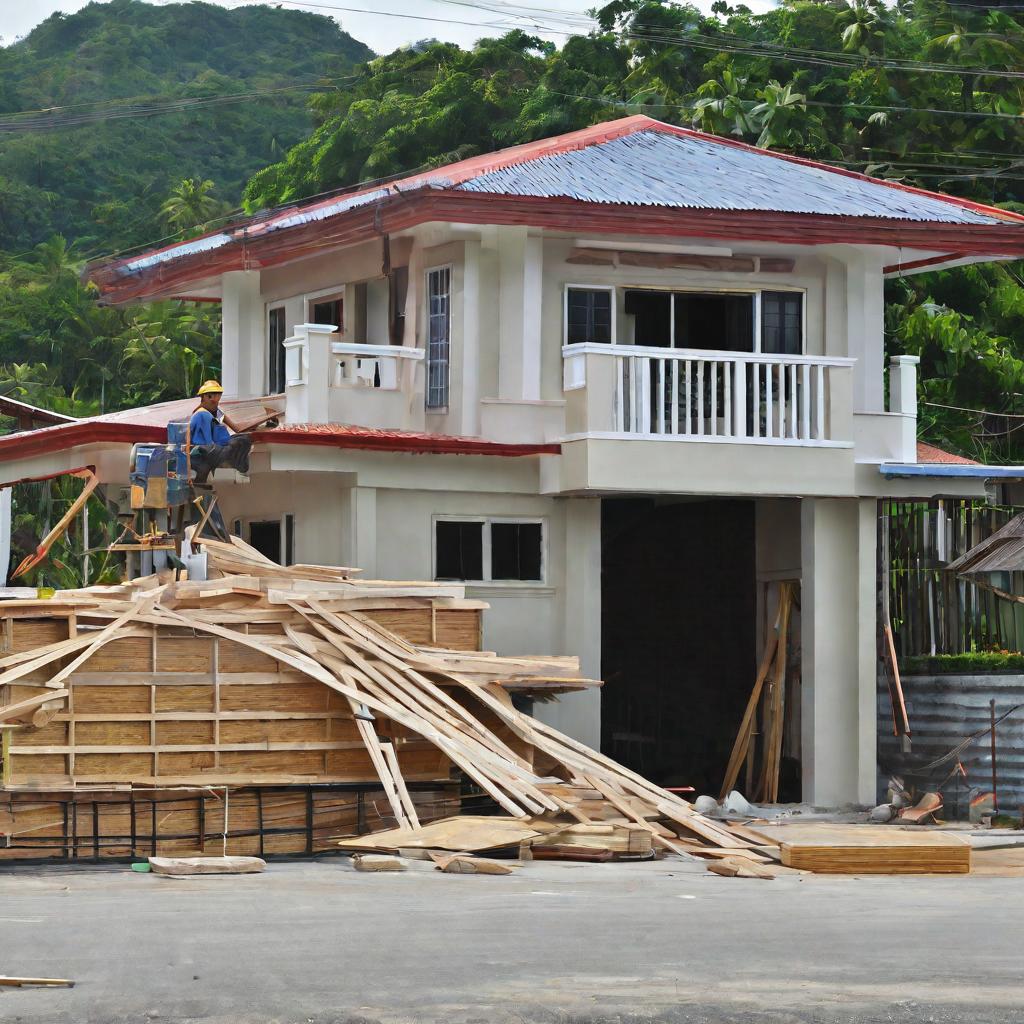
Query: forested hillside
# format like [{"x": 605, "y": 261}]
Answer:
[{"x": 926, "y": 92}]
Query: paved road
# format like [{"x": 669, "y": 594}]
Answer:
[{"x": 555, "y": 943}]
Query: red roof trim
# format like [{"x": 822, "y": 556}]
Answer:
[
  {"x": 929, "y": 261},
  {"x": 66, "y": 436}
]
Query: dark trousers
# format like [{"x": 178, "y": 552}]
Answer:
[{"x": 208, "y": 457}]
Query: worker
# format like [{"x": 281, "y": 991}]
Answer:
[{"x": 215, "y": 440}]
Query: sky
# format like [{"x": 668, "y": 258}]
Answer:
[{"x": 382, "y": 24}]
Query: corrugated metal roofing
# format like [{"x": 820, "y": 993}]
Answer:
[
  {"x": 323, "y": 211},
  {"x": 153, "y": 259},
  {"x": 657, "y": 168}
]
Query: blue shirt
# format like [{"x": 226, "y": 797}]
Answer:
[{"x": 205, "y": 428}]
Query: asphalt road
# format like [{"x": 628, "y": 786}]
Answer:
[{"x": 554, "y": 943}]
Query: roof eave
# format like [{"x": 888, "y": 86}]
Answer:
[{"x": 398, "y": 212}]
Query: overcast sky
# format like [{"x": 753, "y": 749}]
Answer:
[{"x": 382, "y": 24}]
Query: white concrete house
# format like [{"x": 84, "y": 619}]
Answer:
[{"x": 618, "y": 381}]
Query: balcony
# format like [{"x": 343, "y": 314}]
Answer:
[
  {"x": 787, "y": 421},
  {"x": 330, "y": 381}
]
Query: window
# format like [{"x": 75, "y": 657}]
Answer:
[
  {"x": 588, "y": 315},
  {"x": 489, "y": 550},
  {"x": 439, "y": 330},
  {"x": 459, "y": 550},
  {"x": 782, "y": 323},
  {"x": 721, "y": 321},
  {"x": 275, "y": 350},
  {"x": 398, "y": 289},
  {"x": 265, "y": 537},
  {"x": 329, "y": 311}
]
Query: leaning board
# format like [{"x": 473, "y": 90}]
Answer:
[{"x": 870, "y": 849}]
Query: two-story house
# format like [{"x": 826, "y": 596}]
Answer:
[{"x": 620, "y": 381}]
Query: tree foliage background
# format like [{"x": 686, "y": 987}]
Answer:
[{"x": 129, "y": 123}]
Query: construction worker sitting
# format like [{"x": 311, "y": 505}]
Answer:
[{"x": 213, "y": 445}]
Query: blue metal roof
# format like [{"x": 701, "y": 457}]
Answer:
[
  {"x": 939, "y": 469},
  {"x": 659, "y": 168}
]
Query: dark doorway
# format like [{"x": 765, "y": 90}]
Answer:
[
  {"x": 678, "y": 635},
  {"x": 265, "y": 537}
]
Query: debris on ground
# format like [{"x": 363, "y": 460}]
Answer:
[
  {"x": 467, "y": 864},
  {"x": 180, "y": 867},
  {"x": 377, "y": 862},
  {"x": 7, "y": 982}
]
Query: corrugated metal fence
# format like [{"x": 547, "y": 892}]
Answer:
[
  {"x": 932, "y": 612},
  {"x": 944, "y": 711}
]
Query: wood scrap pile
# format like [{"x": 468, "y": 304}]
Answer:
[{"x": 158, "y": 683}]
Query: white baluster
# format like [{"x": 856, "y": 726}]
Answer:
[
  {"x": 769, "y": 412},
  {"x": 714, "y": 398},
  {"x": 727, "y": 418},
  {"x": 756, "y": 398},
  {"x": 620, "y": 395},
  {"x": 675, "y": 396},
  {"x": 661, "y": 397},
  {"x": 739, "y": 428},
  {"x": 805, "y": 402},
  {"x": 701, "y": 411},
  {"x": 792, "y": 400},
  {"x": 819, "y": 424},
  {"x": 689, "y": 398}
]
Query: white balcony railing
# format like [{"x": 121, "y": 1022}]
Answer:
[
  {"x": 706, "y": 395},
  {"x": 329, "y": 381}
]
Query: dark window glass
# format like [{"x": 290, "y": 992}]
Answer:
[
  {"x": 329, "y": 312},
  {"x": 782, "y": 315},
  {"x": 266, "y": 538},
  {"x": 589, "y": 315},
  {"x": 515, "y": 551},
  {"x": 289, "y": 539},
  {"x": 275, "y": 354},
  {"x": 398, "y": 289},
  {"x": 459, "y": 550}
]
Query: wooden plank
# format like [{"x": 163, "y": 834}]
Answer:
[{"x": 22, "y": 707}]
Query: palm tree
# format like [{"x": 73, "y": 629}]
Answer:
[
  {"x": 190, "y": 205},
  {"x": 865, "y": 24}
]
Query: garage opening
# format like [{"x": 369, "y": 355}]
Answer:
[{"x": 679, "y": 614}]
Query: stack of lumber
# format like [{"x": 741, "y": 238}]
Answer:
[
  {"x": 826, "y": 848},
  {"x": 160, "y": 697}
]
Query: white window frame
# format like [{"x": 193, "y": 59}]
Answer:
[
  {"x": 240, "y": 527},
  {"x": 437, "y": 410},
  {"x": 695, "y": 290},
  {"x": 569, "y": 286},
  {"x": 310, "y": 299},
  {"x": 485, "y": 540},
  {"x": 271, "y": 307}
]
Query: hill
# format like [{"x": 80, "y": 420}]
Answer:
[{"x": 77, "y": 165}]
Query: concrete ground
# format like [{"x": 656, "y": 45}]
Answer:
[{"x": 318, "y": 943}]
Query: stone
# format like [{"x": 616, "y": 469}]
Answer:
[
  {"x": 882, "y": 813},
  {"x": 706, "y": 805}
]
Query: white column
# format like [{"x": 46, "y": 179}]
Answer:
[
  {"x": 243, "y": 334},
  {"x": 520, "y": 272},
  {"x": 903, "y": 400},
  {"x": 838, "y": 625},
  {"x": 470, "y": 408},
  {"x": 5, "y": 533},
  {"x": 865, "y": 326},
  {"x": 579, "y": 714},
  {"x": 359, "y": 526}
]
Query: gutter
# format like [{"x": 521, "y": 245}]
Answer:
[{"x": 954, "y": 470}]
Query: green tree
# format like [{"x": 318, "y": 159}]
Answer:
[{"x": 190, "y": 206}]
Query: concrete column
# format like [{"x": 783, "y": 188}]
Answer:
[
  {"x": 470, "y": 398},
  {"x": 838, "y": 624},
  {"x": 903, "y": 400},
  {"x": 359, "y": 530},
  {"x": 865, "y": 325},
  {"x": 579, "y": 714},
  {"x": 835, "y": 309},
  {"x": 520, "y": 272},
  {"x": 243, "y": 334}
]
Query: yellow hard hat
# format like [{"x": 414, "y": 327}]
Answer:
[{"x": 210, "y": 387}]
